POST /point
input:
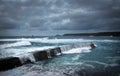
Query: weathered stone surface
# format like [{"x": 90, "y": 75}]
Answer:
[
  {"x": 9, "y": 63},
  {"x": 40, "y": 55}
]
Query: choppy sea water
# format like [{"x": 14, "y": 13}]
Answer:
[{"x": 104, "y": 60}]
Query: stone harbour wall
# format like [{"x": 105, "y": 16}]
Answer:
[{"x": 38, "y": 55}]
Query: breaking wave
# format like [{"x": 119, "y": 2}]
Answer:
[
  {"x": 25, "y": 39},
  {"x": 19, "y": 43},
  {"x": 47, "y": 40}
]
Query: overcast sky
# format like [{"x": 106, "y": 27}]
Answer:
[{"x": 51, "y": 17}]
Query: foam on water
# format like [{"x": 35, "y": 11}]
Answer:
[
  {"x": 97, "y": 62},
  {"x": 76, "y": 57},
  {"x": 73, "y": 63},
  {"x": 19, "y": 43}
]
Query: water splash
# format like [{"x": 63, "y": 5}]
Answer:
[{"x": 78, "y": 50}]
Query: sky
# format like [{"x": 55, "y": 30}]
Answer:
[{"x": 52, "y": 17}]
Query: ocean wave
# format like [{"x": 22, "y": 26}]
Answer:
[
  {"x": 69, "y": 40},
  {"x": 24, "y": 39},
  {"x": 19, "y": 43}
]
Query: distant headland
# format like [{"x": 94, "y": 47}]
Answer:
[{"x": 94, "y": 34}]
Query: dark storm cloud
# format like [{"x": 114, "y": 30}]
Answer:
[
  {"x": 39, "y": 24},
  {"x": 104, "y": 16},
  {"x": 53, "y": 15}
]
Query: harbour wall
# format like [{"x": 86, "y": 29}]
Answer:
[{"x": 38, "y": 55}]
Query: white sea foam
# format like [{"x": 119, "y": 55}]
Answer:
[
  {"x": 97, "y": 62},
  {"x": 19, "y": 43},
  {"x": 78, "y": 50},
  {"x": 24, "y": 71},
  {"x": 72, "y": 63}
]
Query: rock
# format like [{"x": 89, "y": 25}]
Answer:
[
  {"x": 9, "y": 63},
  {"x": 92, "y": 45}
]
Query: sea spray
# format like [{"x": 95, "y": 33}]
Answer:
[
  {"x": 75, "y": 48},
  {"x": 78, "y": 50},
  {"x": 26, "y": 58}
]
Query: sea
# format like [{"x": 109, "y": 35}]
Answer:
[{"x": 103, "y": 60}]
